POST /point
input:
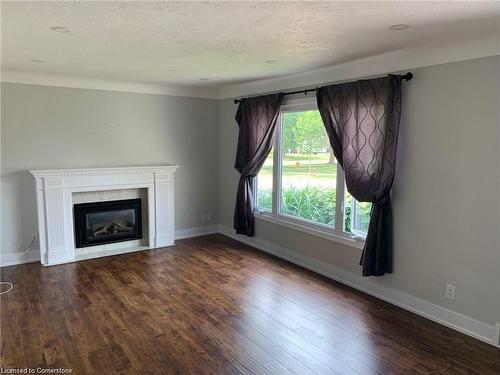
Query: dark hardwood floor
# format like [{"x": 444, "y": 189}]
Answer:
[{"x": 211, "y": 305}]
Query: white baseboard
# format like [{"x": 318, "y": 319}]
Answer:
[
  {"x": 18, "y": 258},
  {"x": 196, "y": 232},
  {"x": 497, "y": 334},
  {"x": 34, "y": 255},
  {"x": 449, "y": 318}
]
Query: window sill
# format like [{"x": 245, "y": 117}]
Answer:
[{"x": 357, "y": 243}]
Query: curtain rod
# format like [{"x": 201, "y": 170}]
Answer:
[{"x": 408, "y": 76}]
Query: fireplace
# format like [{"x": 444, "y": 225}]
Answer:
[
  {"x": 107, "y": 222},
  {"x": 59, "y": 190}
]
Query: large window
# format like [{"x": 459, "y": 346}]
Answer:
[{"x": 300, "y": 182}]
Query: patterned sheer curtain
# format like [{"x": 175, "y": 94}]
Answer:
[
  {"x": 256, "y": 118},
  {"x": 362, "y": 121}
]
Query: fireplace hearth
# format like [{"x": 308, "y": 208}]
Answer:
[{"x": 107, "y": 222}]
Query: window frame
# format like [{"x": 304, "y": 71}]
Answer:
[
  {"x": 354, "y": 209},
  {"x": 337, "y": 232}
]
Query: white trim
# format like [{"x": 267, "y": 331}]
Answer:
[
  {"x": 391, "y": 62},
  {"x": 165, "y": 169},
  {"x": 34, "y": 255},
  {"x": 459, "y": 322},
  {"x": 105, "y": 253},
  {"x": 55, "y": 189},
  {"x": 497, "y": 334},
  {"x": 18, "y": 258},
  {"x": 55, "y": 80},
  {"x": 309, "y": 229},
  {"x": 196, "y": 232},
  {"x": 300, "y": 104},
  {"x": 336, "y": 233},
  {"x": 340, "y": 203}
]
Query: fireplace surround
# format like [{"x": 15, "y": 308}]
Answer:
[
  {"x": 107, "y": 222},
  {"x": 55, "y": 192}
]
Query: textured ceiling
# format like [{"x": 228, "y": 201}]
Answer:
[{"x": 225, "y": 42}]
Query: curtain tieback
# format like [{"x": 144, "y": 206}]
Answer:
[{"x": 382, "y": 201}]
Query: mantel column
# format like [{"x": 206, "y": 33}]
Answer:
[
  {"x": 52, "y": 221},
  {"x": 164, "y": 206}
]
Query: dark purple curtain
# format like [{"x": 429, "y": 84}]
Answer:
[
  {"x": 256, "y": 118},
  {"x": 362, "y": 122}
]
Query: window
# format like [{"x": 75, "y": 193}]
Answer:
[
  {"x": 264, "y": 184},
  {"x": 301, "y": 184},
  {"x": 357, "y": 215},
  {"x": 308, "y": 173}
]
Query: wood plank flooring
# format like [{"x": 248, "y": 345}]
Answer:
[{"x": 211, "y": 305}]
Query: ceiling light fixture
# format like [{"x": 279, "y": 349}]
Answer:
[
  {"x": 36, "y": 61},
  {"x": 60, "y": 29},
  {"x": 272, "y": 61},
  {"x": 399, "y": 26}
]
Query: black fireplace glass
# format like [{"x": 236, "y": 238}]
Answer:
[{"x": 106, "y": 222}]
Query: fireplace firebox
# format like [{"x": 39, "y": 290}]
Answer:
[{"x": 106, "y": 222}]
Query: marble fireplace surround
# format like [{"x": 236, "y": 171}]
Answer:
[{"x": 55, "y": 189}]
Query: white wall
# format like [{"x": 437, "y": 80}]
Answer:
[
  {"x": 48, "y": 127},
  {"x": 446, "y": 194}
]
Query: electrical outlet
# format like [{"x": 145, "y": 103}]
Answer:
[
  {"x": 209, "y": 216},
  {"x": 203, "y": 217},
  {"x": 449, "y": 291}
]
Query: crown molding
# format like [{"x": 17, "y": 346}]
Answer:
[
  {"x": 391, "y": 62},
  {"x": 29, "y": 78}
]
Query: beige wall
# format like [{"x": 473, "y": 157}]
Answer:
[
  {"x": 50, "y": 127},
  {"x": 446, "y": 192}
]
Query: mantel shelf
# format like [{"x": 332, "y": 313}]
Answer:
[{"x": 102, "y": 171}]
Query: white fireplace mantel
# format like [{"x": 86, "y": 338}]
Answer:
[{"x": 55, "y": 189}]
